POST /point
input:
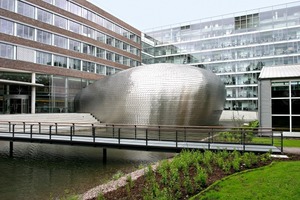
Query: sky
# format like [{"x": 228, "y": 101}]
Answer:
[{"x": 145, "y": 15}]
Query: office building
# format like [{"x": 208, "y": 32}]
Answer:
[
  {"x": 235, "y": 47},
  {"x": 51, "y": 49}
]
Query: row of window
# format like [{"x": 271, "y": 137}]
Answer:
[
  {"x": 58, "y": 21},
  {"x": 44, "y": 37},
  {"x": 288, "y": 16},
  {"x": 7, "y": 51},
  {"x": 90, "y": 15}
]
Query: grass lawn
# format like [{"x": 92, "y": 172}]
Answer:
[
  {"x": 279, "y": 181},
  {"x": 277, "y": 142}
]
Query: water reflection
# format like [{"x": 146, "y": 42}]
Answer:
[{"x": 41, "y": 171}]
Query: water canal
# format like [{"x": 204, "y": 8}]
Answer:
[{"x": 45, "y": 171}]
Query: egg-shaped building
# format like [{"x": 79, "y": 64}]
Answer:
[{"x": 158, "y": 94}]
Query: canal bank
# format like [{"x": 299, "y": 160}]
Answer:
[{"x": 41, "y": 171}]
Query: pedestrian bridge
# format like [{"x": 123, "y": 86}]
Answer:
[{"x": 136, "y": 137}]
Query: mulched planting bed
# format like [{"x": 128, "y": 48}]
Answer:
[{"x": 137, "y": 188}]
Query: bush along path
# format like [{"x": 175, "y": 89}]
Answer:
[{"x": 186, "y": 174}]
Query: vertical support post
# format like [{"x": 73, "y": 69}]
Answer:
[
  {"x": 11, "y": 148},
  {"x": 146, "y": 137},
  {"x": 31, "y": 131},
  {"x": 104, "y": 156},
  {"x": 94, "y": 133},
  {"x": 39, "y": 127},
  {"x": 50, "y": 130},
  {"x": 119, "y": 135},
  {"x": 13, "y": 133},
  {"x": 24, "y": 127},
  {"x": 33, "y": 94},
  {"x": 209, "y": 140},
  {"x": 113, "y": 130},
  {"x": 176, "y": 138},
  {"x": 9, "y": 126},
  {"x": 281, "y": 135},
  {"x": 56, "y": 128},
  {"x": 73, "y": 129},
  {"x": 243, "y": 131},
  {"x": 158, "y": 133},
  {"x": 184, "y": 128},
  {"x": 135, "y": 131}
]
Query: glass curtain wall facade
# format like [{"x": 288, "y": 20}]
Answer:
[
  {"x": 234, "y": 46},
  {"x": 286, "y": 104},
  {"x": 55, "y": 48}
]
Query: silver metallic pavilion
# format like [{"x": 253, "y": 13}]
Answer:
[{"x": 158, "y": 94}]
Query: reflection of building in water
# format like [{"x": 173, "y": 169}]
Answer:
[
  {"x": 50, "y": 50},
  {"x": 234, "y": 46}
]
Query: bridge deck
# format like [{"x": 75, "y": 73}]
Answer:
[{"x": 135, "y": 144}]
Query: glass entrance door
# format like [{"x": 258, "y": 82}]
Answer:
[{"x": 16, "y": 104}]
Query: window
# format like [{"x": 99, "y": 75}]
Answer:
[
  {"x": 74, "y": 27},
  {"x": 75, "y": 9},
  {"x": 60, "y": 41},
  {"x": 246, "y": 21},
  {"x": 125, "y": 47},
  {"x": 109, "y": 40},
  {"x": 44, "y": 37},
  {"x": 25, "y": 32},
  {"x": 74, "y": 64},
  {"x": 7, "y": 4},
  {"x": 61, "y": 4},
  {"x": 60, "y": 22},
  {"x": 118, "y": 58},
  {"x": 44, "y": 16},
  {"x": 6, "y": 51},
  {"x": 109, "y": 56},
  {"x": 100, "y": 37},
  {"x": 6, "y": 27},
  {"x": 88, "y": 15},
  {"x": 88, "y": 66},
  {"x": 60, "y": 61},
  {"x": 25, "y": 9},
  {"x": 43, "y": 58},
  {"x": 74, "y": 45},
  {"x": 100, "y": 53},
  {"x": 100, "y": 69},
  {"x": 118, "y": 44},
  {"x": 89, "y": 32},
  {"x": 88, "y": 49},
  {"x": 109, "y": 71},
  {"x": 126, "y": 61},
  {"x": 280, "y": 89}
]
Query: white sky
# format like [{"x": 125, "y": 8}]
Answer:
[{"x": 155, "y": 13}]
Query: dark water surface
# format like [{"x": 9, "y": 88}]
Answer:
[{"x": 44, "y": 171}]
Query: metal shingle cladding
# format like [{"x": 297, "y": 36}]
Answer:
[{"x": 288, "y": 71}]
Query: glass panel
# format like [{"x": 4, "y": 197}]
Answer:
[
  {"x": 44, "y": 37},
  {"x": 44, "y": 16},
  {"x": 109, "y": 71},
  {"x": 109, "y": 56},
  {"x": 74, "y": 8},
  {"x": 74, "y": 27},
  {"x": 281, "y": 121},
  {"x": 25, "y": 9},
  {"x": 61, "y": 4},
  {"x": 88, "y": 66},
  {"x": 74, "y": 64},
  {"x": 100, "y": 37},
  {"x": 6, "y": 51},
  {"x": 100, "y": 69},
  {"x": 7, "y": 4},
  {"x": 88, "y": 49},
  {"x": 295, "y": 87},
  {"x": 100, "y": 53},
  {"x": 280, "y": 106},
  {"x": 74, "y": 45},
  {"x": 60, "y": 41},
  {"x": 6, "y": 27},
  {"x": 60, "y": 61},
  {"x": 296, "y": 123},
  {"x": 280, "y": 89},
  {"x": 296, "y": 106},
  {"x": 43, "y": 58},
  {"x": 25, "y": 32},
  {"x": 60, "y": 22},
  {"x": 89, "y": 32}
]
